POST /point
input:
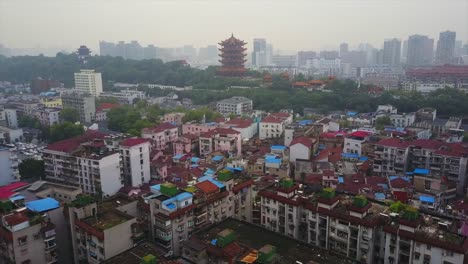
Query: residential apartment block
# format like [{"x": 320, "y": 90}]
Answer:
[
  {"x": 161, "y": 136},
  {"x": 100, "y": 232},
  {"x": 220, "y": 139},
  {"x": 135, "y": 154},
  {"x": 27, "y": 234},
  {"x": 84, "y": 161},
  {"x": 236, "y": 105},
  {"x": 273, "y": 125},
  {"x": 83, "y": 103},
  {"x": 8, "y": 166}
]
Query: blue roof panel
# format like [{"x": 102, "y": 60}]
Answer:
[
  {"x": 17, "y": 197},
  {"x": 217, "y": 158},
  {"x": 421, "y": 171},
  {"x": 43, "y": 205},
  {"x": 183, "y": 196},
  {"x": 340, "y": 179},
  {"x": 379, "y": 196},
  {"x": 427, "y": 199},
  {"x": 278, "y": 147},
  {"x": 178, "y": 156}
]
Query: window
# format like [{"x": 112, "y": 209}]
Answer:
[
  {"x": 22, "y": 240},
  {"x": 417, "y": 255},
  {"x": 428, "y": 247}
]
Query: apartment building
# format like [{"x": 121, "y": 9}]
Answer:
[
  {"x": 176, "y": 213},
  {"x": 353, "y": 142},
  {"x": 161, "y": 136},
  {"x": 8, "y": 166},
  {"x": 274, "y": 125},
  {"x": 88, "y": 81},
  {"x": 220, "y": 139},
  {"x": 25, "y": 107},
  {"x": 444, "y": 164},
  {"x": 27, "y": 234},
  {"x": 237, "y": 105},
  {"x": 8, "y": 118},
  {"x": 86, "y": 162},
  {"x": 10, "y": 135},
  {"x": 246, "y": 127},
  {"x": 100, "y": 233},
  {"x": 47, "y": 116},
  {"x": 358, "y": 229},
  {"x": 135, "y": 154},
  {"x": 197, "y": 128},
  {"x": 83, "y": 103},
  {"x": 173, "y": 118}
]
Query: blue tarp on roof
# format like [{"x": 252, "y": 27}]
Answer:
[
  {"x": 178, "y": 156},
  {"x": 305, "y": 122},
  {"x": 340, "y": 179},
  {"x": 217, "y": 158},
  {"x": 195, "y": 160},
  {"x": 350, "y": 155},
  {"x": 213, "y": 242},
  {"x": 209, "y": 172},
  {"x": 278, "y": 147},
  {"x": 232, "y": 169},
  {"x": 16, "y": 198},
  {"x": 379, "y": 196},
  {"x": 42, "y": 205},
  {"x": 383, "y": 185},
  {"x": 183, "y": 196},
  {"x": 215, "y": 182},
  {"x": 421, "y": 171},
  {"x": 427, "y": 199},
  {"x": 391, "y": 178},
  {"x": 351, "y": 113},
  {"x": 273, "y": 160},
  {"x": 156, "y": 187}
]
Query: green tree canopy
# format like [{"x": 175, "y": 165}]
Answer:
[
  {"x": 31, "y": 169},
  {"x": 65, "y": 130},
  {"x": 382, "y": 121},
  {"x": 69, "y": 115}
]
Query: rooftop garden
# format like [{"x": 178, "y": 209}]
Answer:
[{"x": 82, "y": 201}]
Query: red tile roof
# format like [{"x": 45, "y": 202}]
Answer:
[
  {"x": 360, "y": 134},
  {"x": 242, "y": 185},
  {"x": 89, "y": 229},
  {"x": 9, "y": 190},
  {"x": 71, "y": 144},
  {"x": 105, "y": 106},
  {"x": 207, "y": 187},
  {"x": 333, "y": 134},
  {"x": 302, "y": 140},
  {"x": 130, "y": 142},
  {"x": 160, "y": 128},
  {"x": 15, "y": 219},
  {"x": 228, "y": 131},
  {"x": 393, "y": 143},
  {"x": 400, "y": 183},
  {"x": 239, "y": 122},
  {"x": 271, "y": 119}
]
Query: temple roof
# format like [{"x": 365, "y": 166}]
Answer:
[{"x": 232, "y": 40}]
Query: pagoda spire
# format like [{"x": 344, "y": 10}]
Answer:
[{"x": 232, "y": 57}]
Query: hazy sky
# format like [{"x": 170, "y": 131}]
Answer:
[{"x": 291, "y": 24}]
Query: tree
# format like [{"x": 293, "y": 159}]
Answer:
[
  {"x": 64, "y": 131},
  {"x": 69, "y": 115},
  {"x": 382, "y": 121},
  {"x": 28, "y": 121},
  {"x": 31, "y": 169}
]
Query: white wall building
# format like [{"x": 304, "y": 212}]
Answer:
[
  {"x": 402, "y": 120},
  {"x": 136, "y": 161},
  {"x": 48, "y": 116},
  {"x": 8, "y": 167},
  {"x": 8, "y": 118},
  {"x": 236, "y": 105},
  {"x": 271, "y": 127},
  {"x": 300, "y": 148},
  {"x": 88, "y": 81}
]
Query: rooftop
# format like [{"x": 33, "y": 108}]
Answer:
[
  {"x": 70, "y": 145},
  {"x": 130, "y": 142},
  {"x": 255, "y": 237},
  {"x": 160, "y": 128},
  {"x": 106, "y": 219},
  {"x": 135, "y": 254}
]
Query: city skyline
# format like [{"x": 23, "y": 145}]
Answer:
[{"x": 158, "y": 25}]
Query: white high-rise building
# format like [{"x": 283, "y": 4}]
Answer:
[
  {"x": 88, "y": 81},
  {"x": 136, "y": 161}
]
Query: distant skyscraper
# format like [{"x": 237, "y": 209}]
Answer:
[
  {"x": 259, "y": 52},
  {"x": 304, "y": 56},
  {"x": 344, "y": 48},
  {"x": 392, "y": 52},
  {"x": 420, "y": 51},
  {"x": 445, "y": 47},
  {"x": 269, "y": 54},
  {"x": 404, "y": 52},
  {"x": 329, "y": 54},
  {"x": 208, "y": 54},
  {"x": 458, "y": 48},
  {"x": 106, "y": 48}
]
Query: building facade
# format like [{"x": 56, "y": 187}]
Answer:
[
  {"x": 83, "y": 103},
  {"x": 236, "y": 105},
  {"x": 88, "y": 81}
]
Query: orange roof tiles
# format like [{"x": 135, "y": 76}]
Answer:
[{"x": 207, "y": 187}]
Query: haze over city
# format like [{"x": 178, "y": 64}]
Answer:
[{"x": 289, "y": 25}]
